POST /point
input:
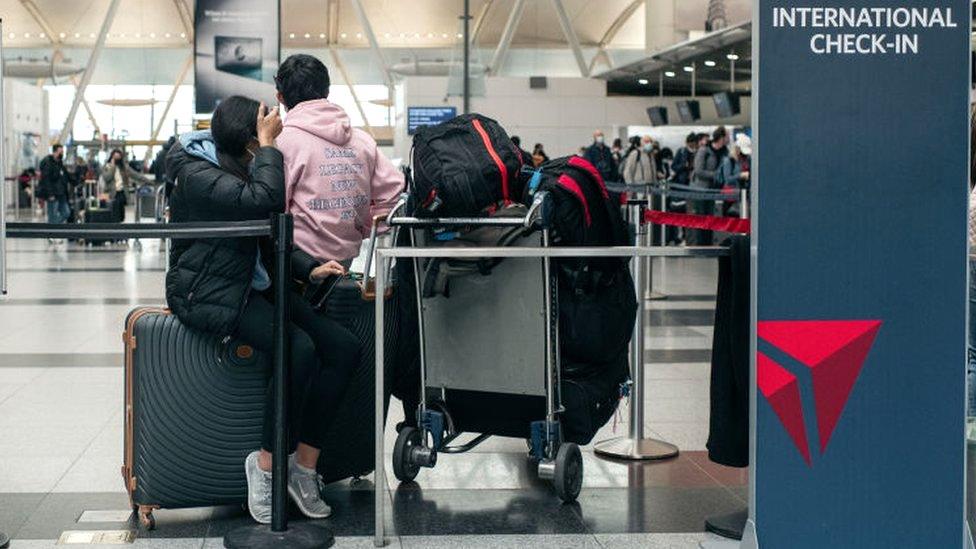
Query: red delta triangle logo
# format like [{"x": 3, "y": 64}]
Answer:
[{"x": 834, "y": 351}]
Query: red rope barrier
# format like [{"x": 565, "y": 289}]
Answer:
[{"x": 692, "y": 221}]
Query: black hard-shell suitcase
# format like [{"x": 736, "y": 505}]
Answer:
[
  {"x": 194, "y": 408},
  {"x": 98, "y": 215}
]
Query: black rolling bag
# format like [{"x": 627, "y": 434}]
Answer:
[{"x": 194, "y": 408}]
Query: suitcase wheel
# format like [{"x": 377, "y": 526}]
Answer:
[
  {"x": 146, "y": 518},
  {"x": 568, "y": 478},
  {"x": 403, "y": 467}
]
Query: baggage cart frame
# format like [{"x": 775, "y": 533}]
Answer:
[{"x": 557, "y": 461}]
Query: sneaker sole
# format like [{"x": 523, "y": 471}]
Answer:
[{"x": 306, "y": 512}]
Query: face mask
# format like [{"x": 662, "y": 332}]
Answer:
[
  {"x": 599, "y": 140},
  {"x": 647, "y": 148}
]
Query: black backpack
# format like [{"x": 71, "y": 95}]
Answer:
[
  {"x": 586, "y": 213},
  {"x": 464, "y": 167},
  {"x": 597, "y": 300}
]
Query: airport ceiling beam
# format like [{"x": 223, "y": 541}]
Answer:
[
  {"x": 611, "y": 33},
  {"x": 333, "y": 14},
  {"x": 186, "y": 18},
  {"x": 508, "y": 33},
  {"x": 352, "y": 89},
  {"x": 479, "y": 22},
  {"x": 86, "y": 77},
  {"x": 374, "y": 45},
  {"x": 571, "y": 37},
  {"x": 57, "y": 43},
  {"x": 169, "y": 102}
]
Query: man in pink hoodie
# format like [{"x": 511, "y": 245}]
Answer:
[{"x": 336, "y": 179}]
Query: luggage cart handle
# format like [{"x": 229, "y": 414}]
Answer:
[{"x": 539, "y": 214}]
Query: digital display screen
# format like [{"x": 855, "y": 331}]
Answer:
[{"x": 418, "y": 117}]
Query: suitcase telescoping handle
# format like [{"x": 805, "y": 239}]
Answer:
[{"x": 368, "y": 286}]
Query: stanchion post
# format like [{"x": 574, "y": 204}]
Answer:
[
  {"x": 3, "y": 205},
  {"x": 379, "y": 338},
  {"x": 302, "y": 535},
  {"x": 636, "y": 446},
  {"x": 744, "y": 203}
]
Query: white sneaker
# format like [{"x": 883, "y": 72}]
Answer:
[
  {"x": 258, "y": 489},
  {"x": 303, "y": 487}
]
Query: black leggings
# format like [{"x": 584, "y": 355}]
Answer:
[{"x": 324, "y": 354}]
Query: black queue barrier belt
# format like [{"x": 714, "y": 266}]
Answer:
[
  {"x": 675, "y": 190},
  {"x": 193, "y": 230}
]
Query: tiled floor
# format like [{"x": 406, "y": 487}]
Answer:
[{"x": 61, "y": 429}]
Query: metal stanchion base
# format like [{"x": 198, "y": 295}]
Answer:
[
  {"x": 299, "y": 535},
  {"x": 4, "y": 540},
  {"x": 730, "y": 525},
  {"x": 632, "y": 449}
]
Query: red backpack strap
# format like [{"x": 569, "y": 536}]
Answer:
[
  {"x": 583, "y": 164},
  {"x": 573, "y": 187}
]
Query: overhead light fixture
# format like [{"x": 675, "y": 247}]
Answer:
[
  {"x": 307, "y": 36},
  {"x": 732, "y": 57},
  {"x": 444, "y": 35},
  {"x": 11, "y": 36},
  {"x": 77, "y": 35},
  {"x": 168, "y": 35},
  {"x": 121, "y": 35},
  {"x": 459, "y": 35},
  {"x": 322, "y": 35},
  {"x": 669, "y": 74},
  {"x": 26, "y": 35},
  {"x": 386, "y": 35},
  {"x": 689, "y": 68},
  {"x": 403, "y": 35},
  {"x": 416, "y": 35},
  {"x": 430, "y": 35},
  {"x": 152, "y": 35},
  {"x": 359, "y": 35},
  {"x": 642, "y": 81},
  {"x": 138, "y": 35},
  {"x": 182, "y": 35},
  {"x": 41, "y": 35},
  {"x": 91, "y": 35},
  {"x": 343, "y": 35},
  {"x": 291, "y": 35},
  {"x": 709, "y": 63}
]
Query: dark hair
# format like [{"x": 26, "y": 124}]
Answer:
[
  {"x": 666, "y": 153},
  {"x": 301, "y": 78},
  {"x": 234, "y": 124},
  {"x": 617, "y": 142},
  {"x": 121, "y": 155},
  {"x": 56, "y": 147},
  {"x": 692, "y": 138},
  {"x": 517, "y": 140},
  {"x": 719, "y": 133}
]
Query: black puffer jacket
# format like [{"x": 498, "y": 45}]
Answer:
[{"x": 209, "y": 279}]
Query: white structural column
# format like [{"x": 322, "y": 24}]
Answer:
[
  {"x": 186, "y": 18},
  {"x": 352, "y": 89},
  {"x": 374, "y": 45},
  {"x": 479, "y": 22},
  {"x": 571, "y": 37},
  {"x": 658, "y": 25},
  {"x": 498, "y": 59},
  {"x": 90, "y": 68}
]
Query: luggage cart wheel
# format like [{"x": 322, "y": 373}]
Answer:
[
  {"x": 568, "y": 477},
  {"x": 403, "y": 468},
  {"x": 146, "y": 518}
]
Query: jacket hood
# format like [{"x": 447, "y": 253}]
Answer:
[
  {"x": 201, "y": 145},
  {"x": 322, "y": 119}
]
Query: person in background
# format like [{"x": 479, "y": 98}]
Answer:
[
  {"x": 159, "y": 166},
  {"x": 55, "y": 185},
  {"x": 617, "y": 149},
  {"x": 640, "y": 166},
  {"x": 539, "y": 155},
  {"x": 526, "y": 157},
  {"x": 664, "y": 159},
  {"x": 582, "y": 152},
  {"x": 600, "y": 155},
  {"x": 707, "y": 162},
  {"x": 684, "y": 161}
]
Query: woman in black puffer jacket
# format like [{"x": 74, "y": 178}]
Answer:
[{"x": 221, "y": 286}]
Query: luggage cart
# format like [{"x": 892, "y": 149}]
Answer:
[{"x": 447, "y": 361}]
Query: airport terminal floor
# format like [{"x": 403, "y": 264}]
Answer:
[{"x": 61, "y": 415}]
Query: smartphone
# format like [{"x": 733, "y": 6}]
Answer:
[{"x": 318, "y": 293}]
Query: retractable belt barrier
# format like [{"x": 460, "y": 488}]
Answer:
[
  {"x": 695, "y": 221},
  {"x": 675, "y": 190}
]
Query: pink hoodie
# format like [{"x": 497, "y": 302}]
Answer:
[{"x": 335, "y": 180}]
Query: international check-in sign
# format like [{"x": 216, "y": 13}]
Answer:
[{"x": 862, "y": 120}]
